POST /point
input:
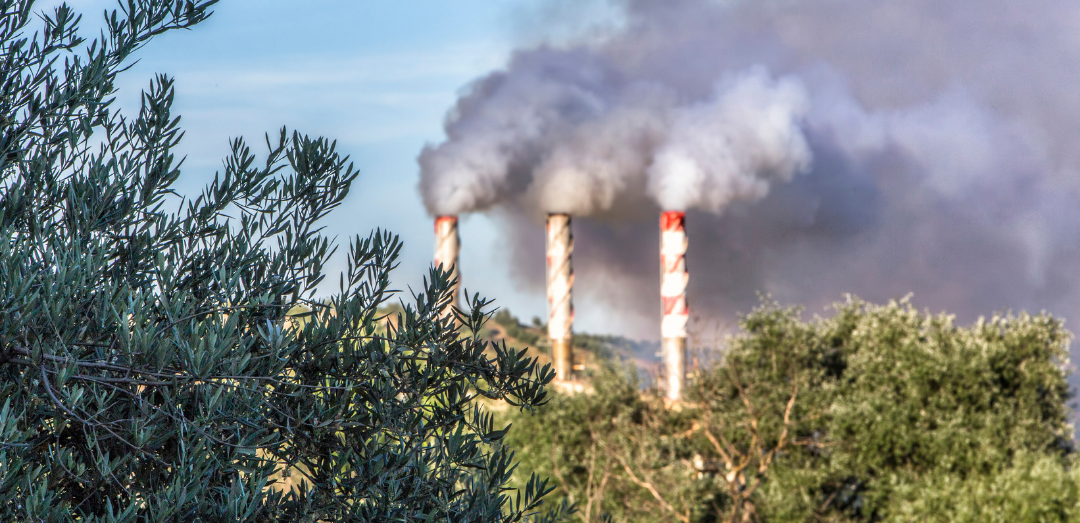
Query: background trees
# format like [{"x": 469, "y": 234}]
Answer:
[
  {"x": 149, "y": 370},
  {"x": 879, "y": 413}
]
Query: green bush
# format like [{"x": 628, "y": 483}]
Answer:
[
  {"x": 1032, "y": 488},
  {"x": 601, "y": 447},
  {"x": 149, "y": 368},
  {"x": 878, "y": 413}
]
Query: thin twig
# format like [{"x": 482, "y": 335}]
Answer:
[{"x": 652, "y": 490}]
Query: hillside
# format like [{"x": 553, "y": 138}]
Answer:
[{"x": 590, "y": 350}]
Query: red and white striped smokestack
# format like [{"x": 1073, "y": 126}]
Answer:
[
  {"x": 447, "y": 249},
  {"x": 560, "y": 283},
  {"x": 674, "y": 280}
]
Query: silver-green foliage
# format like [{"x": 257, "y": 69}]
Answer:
[{"x": 149, "y": 370}]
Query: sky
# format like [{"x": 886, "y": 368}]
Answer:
[
  {"x": 942, "y": 135},
  {"x": 376, "y": 76}
]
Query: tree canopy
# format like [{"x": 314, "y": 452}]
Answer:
[{"x": 149, "y": 366}]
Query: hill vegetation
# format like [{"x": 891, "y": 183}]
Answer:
[{"x": 591, "y": 351}]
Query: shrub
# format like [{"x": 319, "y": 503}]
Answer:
[{"x": 878, "y": 413}]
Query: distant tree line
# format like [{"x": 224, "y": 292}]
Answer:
[{"x": 600, "y": 346}]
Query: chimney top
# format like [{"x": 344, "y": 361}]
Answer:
[
  {"x": 672, "y": 219},
  {"x": 450, "y": 219}
]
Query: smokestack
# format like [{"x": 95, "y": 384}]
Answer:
[
  {"x": 673, "y": 281},
  {"x": 560, "y": 282},
  {"x": 447, "y": 248}
]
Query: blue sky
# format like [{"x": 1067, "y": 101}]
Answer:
[
  {"x": 376, "y": 76},
  {"x": 379, "y": 76}
]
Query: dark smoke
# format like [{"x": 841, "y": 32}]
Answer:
[{"x": 941, "y": 155}]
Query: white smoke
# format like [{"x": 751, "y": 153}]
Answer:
[
  {"x": 733, "y": 146},
  {"x": 600, "y": 165},
  {"x": 561, "y": 131},
  {"x": 498, "y": 132},
  {"x": 873, "y": 147}
]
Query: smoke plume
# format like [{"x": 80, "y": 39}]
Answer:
[
  {"x": 566, "y": 131},
  {"x": 820, "y": 146},
  {"x": 730, "y": 147}
]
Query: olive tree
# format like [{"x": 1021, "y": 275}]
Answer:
[{"x": 149, "y": 366}]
